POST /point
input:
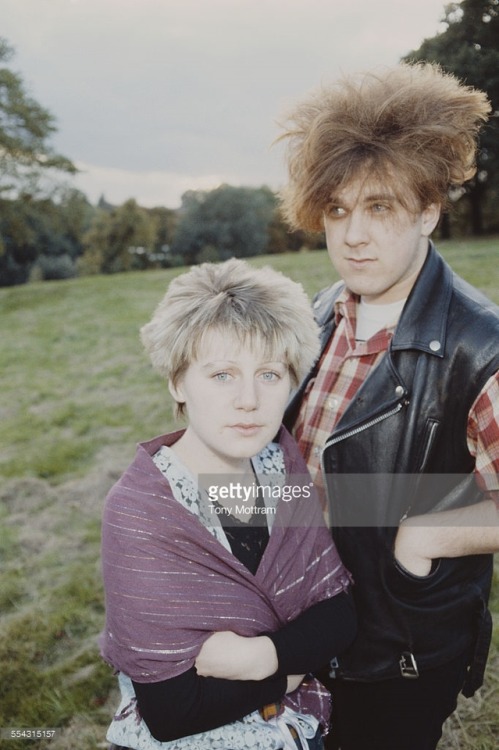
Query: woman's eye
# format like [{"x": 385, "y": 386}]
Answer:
[
  {"x": 269, "y": 376},
  {"x": 222, "y": 377}
]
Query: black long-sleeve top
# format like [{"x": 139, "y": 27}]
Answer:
[{"x": 189, "y": 704}]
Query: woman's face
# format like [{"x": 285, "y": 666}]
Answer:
[{"x": 234, "y": 398}]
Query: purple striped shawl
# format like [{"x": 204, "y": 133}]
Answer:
[{"x": 170, "y": 584}]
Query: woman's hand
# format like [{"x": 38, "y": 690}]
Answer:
[
  {"x": 229, "y": 656},
  {"x": 294, "y": 682}
]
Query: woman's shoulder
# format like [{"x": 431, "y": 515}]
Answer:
[{"x": 293, "y": 459}]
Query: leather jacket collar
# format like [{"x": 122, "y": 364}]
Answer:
[{"x": 423, "y": 322}]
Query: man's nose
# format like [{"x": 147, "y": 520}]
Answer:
[{"x": 356, "y": 232}]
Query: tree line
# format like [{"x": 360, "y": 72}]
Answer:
[
  {"x": 62, "y": 236},
  {"x": 49, "y": 230}
]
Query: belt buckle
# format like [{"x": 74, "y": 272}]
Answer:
[{"x": 408, "y": 666}]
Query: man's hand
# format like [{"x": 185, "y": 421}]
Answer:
[
  {"x": 229, "y": 656},
  {"x": 408, "y": 550},
  {"x": 473, "y": 530}
]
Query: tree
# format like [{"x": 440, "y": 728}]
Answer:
[
  {"x": 25, "y": 128},
  {"x": 282, "y": 240},
  {"x": 25, "y": 156},
  {"x": 119, "y": 240},
  {"x": 469, "y": 48},
  {"x": 165, "y": 220},
  {"x": 223, "y": 223},
  {"x": 18, "y": 246},
  {"x": 44, "y": 233},
  {"x": 65, "y": 219}
]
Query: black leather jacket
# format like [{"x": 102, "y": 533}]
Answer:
[{"x": 400, "y": 449}]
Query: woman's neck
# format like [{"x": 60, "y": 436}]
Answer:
[{"x": 200, "y": 459}]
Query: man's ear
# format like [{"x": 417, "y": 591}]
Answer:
[{"x": 431, "y": 215}]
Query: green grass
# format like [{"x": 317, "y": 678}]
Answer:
[{"x": 77, "y": 393}]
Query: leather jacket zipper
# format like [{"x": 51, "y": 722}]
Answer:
[
  {"x": 361, "y": 428},
  {"x": 407, "y": 662}
]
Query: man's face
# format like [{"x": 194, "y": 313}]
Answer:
[{"x": 377, "y": 246}]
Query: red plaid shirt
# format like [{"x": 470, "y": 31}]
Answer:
[{"x": 344, "y": 366}]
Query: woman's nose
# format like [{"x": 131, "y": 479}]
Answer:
[{"x": 247, "y": 396}]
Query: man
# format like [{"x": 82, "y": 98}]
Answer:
[{"x": 398, "y": 420}]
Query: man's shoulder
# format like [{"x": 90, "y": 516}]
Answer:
[
  {"x": 323, "y": 301},
  {"x": 473, "y": 325},
  {"x": 474, "y": 300},
  {"x": 470, "y": 309}
]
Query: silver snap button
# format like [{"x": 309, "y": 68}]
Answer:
[
  {"x": 399, "y": 390},
  {"x": 316, "y": 304},
  {"x": 435, "y": 345}
]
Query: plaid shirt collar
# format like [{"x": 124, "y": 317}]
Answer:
[{"x": 345, "y": 308}]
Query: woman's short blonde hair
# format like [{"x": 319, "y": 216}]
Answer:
[
  {"x": 413, "y": 126},
  {"x": 256, "y": 306}
]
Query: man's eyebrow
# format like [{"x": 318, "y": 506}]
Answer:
[
  {"x": 380, "y": 197},
  {"x": 336, "y": 200}
]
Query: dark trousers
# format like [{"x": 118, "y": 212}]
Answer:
[{"x": 397, "y": 714}]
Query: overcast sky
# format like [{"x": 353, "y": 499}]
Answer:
[{"x": 156, "y": 97}]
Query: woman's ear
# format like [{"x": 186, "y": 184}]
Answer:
[
  {"x": 176, "y": 391},
  {"x": 431, "y": 215}
]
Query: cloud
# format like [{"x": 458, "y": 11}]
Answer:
[
  {"x": 180, "y": 91},
  {"x": 155, "y": 188}
]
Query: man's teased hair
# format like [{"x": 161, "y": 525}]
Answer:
[{"x": 413, "y": 126}]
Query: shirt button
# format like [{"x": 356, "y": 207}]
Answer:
[
  {"x": 435, "y": 345},
  {"x": 332, "y": 403},
  {"x": 317, "y": 451}
]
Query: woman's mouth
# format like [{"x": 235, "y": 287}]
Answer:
[{"x": 246, "y": 429}]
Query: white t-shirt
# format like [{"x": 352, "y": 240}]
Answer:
[{"x": 372, "y": 318}]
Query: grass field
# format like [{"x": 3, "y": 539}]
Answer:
[{"x": 76, "y": 394}]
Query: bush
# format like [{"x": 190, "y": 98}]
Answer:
[{"x": 56, "y": 267}]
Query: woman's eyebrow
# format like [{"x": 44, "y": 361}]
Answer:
[{"x": 217, "y": 363}]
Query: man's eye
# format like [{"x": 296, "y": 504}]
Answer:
[
  {"x": 335, "y": 212},
  {"x": 379, "y": 208},
  {"x": 222, "y": 377}
]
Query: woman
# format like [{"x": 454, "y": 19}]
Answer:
[{"x": 223, "y": 588}]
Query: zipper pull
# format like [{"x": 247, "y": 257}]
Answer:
[
  {"x": 333, "y": 666},
  {"x": 408, "y": 666}
]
